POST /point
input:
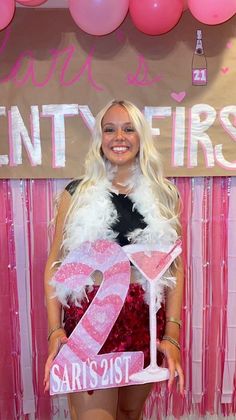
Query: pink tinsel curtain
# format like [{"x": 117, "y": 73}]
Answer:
[{"x": 209, "y": 328}]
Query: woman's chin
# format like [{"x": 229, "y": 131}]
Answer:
[{"x": 122, "y": 160}]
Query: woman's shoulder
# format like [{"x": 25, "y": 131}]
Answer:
[{"x": 71, "y": 187}]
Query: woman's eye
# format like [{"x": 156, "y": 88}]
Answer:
[
  {"x": 129, "y": 130},
  {"x": 108, "y": 130},
  {"x": 113, "y": 130}
]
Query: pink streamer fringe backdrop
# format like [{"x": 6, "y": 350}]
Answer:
[{"x": 209, "y": 327}]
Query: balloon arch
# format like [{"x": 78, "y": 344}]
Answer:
[{"x": 153, "y": 17}]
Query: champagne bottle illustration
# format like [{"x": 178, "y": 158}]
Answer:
[{"x": 199, "y": 62}]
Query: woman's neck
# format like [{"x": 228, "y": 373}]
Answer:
[{"x": 122, "y": 178}]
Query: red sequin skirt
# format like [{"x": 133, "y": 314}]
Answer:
[{"x": 131, "y": 329}]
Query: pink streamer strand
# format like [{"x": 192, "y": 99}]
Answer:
[
  {"x": 23, "y": 289},
  {"x": 197, "y": 268},
  {"x": 10, "y": 378},
  {"x": 230, "y": 346},
  {"x": 217, "y": 213},
  {"x": 37, "y": 201}
]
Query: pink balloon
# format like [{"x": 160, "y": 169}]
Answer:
[
  {"x": 31, "y": 2},
  {"x": 155, "y": 17},
  {"x": 212, "y": 12},
  {"x": 98, "y": 17},
  {"x": 7, "y": 10}
]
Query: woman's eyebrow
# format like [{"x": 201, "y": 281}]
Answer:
[
  {"x": 108, "y": 123},
  {"x": 123, "y": 123}
]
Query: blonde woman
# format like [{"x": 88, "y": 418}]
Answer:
[{"x": 122, "y": 197}]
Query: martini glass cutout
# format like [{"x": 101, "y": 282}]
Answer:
[{"x": 152, "y": 263}]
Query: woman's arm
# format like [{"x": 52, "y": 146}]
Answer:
[
  {"x": 57, "y": 335},
  {"x": 174, "y": 299},
  {"x": 172, "y": 330}
]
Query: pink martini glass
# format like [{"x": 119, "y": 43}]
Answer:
[{"x": 152, "y": 262}]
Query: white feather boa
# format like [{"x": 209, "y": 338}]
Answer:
[{"x": 93, "y": 220}]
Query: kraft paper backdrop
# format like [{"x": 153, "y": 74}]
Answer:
[{"x": 46, "y": 66}]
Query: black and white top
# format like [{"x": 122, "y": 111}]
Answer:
[{"x": 128, "y": 218}]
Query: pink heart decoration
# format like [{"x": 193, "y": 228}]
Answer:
[
  {"x": 178, "y": 96},
  {"x": 224, "y": 70}
]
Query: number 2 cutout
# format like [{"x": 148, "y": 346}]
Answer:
[{"x": 78, "y": 367}]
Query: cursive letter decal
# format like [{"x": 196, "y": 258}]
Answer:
[{"x": 140, "y": 78}]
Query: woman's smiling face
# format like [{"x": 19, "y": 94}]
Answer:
[{"x": 120, "y": 141}]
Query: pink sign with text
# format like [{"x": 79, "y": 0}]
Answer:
[{"x": 78, "y": 367}]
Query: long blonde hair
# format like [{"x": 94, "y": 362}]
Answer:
[{"x": 149, "y": 162}]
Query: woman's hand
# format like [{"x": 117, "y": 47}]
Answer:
[
  {"x": 57, "y": 339},
  {"x": 172, "y": 354}
]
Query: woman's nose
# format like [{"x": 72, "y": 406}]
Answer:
[{"x": 119, "y": 133}]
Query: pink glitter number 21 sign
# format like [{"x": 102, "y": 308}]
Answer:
[{"x": 78, "y": 367}]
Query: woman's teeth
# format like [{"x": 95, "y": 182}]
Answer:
[{"x": 119, "y": 149}]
